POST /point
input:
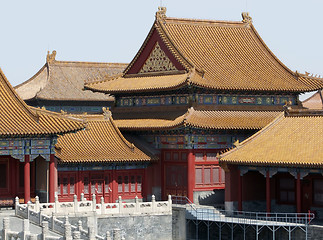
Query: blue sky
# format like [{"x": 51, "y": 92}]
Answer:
[{"x": 113, "y": 31}]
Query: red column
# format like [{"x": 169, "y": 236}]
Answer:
[
  {"x": 298, "y": 193},
  {"x": 239, "y": 192},
  {"x": 268, "y": 198},
  {"x": 190, "y": 174},
  {"x": 52, "y": 178},
  {"x": 162, "y": 174},
  {"x": 27, "y": 178},
  {"x": 114, "y": 194}
]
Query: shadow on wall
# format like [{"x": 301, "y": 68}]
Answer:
[{"x": 211, "y": 198}]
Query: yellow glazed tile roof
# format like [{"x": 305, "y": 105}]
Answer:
[
  {"x": 225, "y": 55},
  {"x": 233, "y": 56},
  {"x": 204, "y": 119},
  {"x": 139, "y": 83},
  {"x": 64, "y": 80},
  {"x": 101, "y": 141},
  {"x": 18, "y": 119},
  {"x": 230, "y": 119},
  {"x": 294, "y": 140}
]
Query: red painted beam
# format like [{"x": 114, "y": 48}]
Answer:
[{"x": 27, "y": 178}]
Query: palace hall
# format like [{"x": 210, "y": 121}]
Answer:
[{"x": 155, "y": 126}]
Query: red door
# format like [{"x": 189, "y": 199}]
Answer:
[
  {"x": 97, "y": 186},
  {"x": 107, "y": 187}
]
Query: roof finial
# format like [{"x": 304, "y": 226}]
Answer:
[
  {"x": 106, "y": 113},
  {"x": 161, "y": 13},
  {"x": 51, "y": 57},
  {"x": 246, "y": 18},
  {"x": 287, "y": 107}
]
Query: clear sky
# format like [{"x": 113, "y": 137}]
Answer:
[{"x": 113, "y": 31}]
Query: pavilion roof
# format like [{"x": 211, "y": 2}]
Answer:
[
  {"x": 64, "y": 80},
  {"x": 101, "y": 141},
  {"x": 315, "y": 101},
  {"x": 210, "y": 119},
  {"x": 292, "y": 139},
  {"x": 220, "y": 55},
  {"x": 18, "y": 119}
]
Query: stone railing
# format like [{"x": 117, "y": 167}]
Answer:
[
  {"x": 47, "y": 214},
  {"x": 84, "y": 206},
  {"x": 35, "y": 215},
  {"x": 25, "y": 234}
]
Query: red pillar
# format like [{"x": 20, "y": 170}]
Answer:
[
  {"x": 27, "y": 178},
  {"x": 114, "y": 194},
  {"x": 190, "y": 174},
  {"x": 239, "y": 192},
  {"x": 162, "y": 174},
  {"x": 52, "y": 178},
  {"x": 268, "y": 198},
  {"x": 298, "y": 193}
]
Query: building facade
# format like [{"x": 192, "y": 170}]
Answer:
[
  {"x": 193, "y": 89},
  {"x": 28, "y": 136},
  {"x": 279, "y": 168},
  {"x": 100, "y": 161}
]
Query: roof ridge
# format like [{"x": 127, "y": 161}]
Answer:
[
  {"x": 211, "y": 21},
  {"x": 124, "y": 140},
  {"x": 172, "y": 47},
  {"x": 140, "y": 49},
  {"x": 20, "y": 101},
  {"x": 269, "y": 51},
  {"x": 307, "y": 75},
  {"x": 61, "y": 114},
  {"x": 86, "y": 63},
  {"x": 33, "y": 77}
]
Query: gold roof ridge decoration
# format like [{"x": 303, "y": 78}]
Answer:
[
  {"x": 102, "y": 142},
  {"x": 246, "y": 18},
  {"x": 20, "y": 120},
  {"x": 293, "y": 140},
  {"x": 225, "y": 55},
  {"x": 161, "y": 13},
  {"x": 50, "y": 58}
]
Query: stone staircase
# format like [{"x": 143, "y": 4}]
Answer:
[{"x": 18, "y": 227}]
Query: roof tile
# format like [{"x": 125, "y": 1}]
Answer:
[
  {"x": 294, "y": 140},
  {"x": 101, "y": 141},
  {"x": 18, "y": 119}
]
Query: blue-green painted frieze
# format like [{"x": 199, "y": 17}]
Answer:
[
  {"x": 101, "y": 167},
  {"x": 206, "y": 99},
  {"x": 153, "y": 101},
  {"x": 219, "y": 141},
  {"x": 18, "y": 147},
  {"x": 75, "y": 109}
]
